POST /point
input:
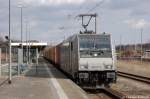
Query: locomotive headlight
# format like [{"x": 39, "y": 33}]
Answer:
[
  {"x": 108, "y": 66},
  {"x": 84, "y": 67},
  {"x": 95, "y": 54}
]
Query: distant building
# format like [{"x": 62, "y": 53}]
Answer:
[
  {"x": 132, "y": 50},
  {"x": 146, "y": 55}
]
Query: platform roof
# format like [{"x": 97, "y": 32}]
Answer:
[{"x": 29, "y": 44}]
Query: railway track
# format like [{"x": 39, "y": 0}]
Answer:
[
  {"x": 135, "y": 77},
  {"x": 115, "y": 94},
  {"x": 108, "y": 93}
]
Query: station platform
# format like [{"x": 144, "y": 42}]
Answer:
[{"x": 41, "y": 82}]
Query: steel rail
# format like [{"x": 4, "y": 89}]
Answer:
[
  {"x": 116, "y": 94},
  {"x": 134, "y": 76}
]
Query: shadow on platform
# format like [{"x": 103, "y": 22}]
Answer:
[{"x": 43, "y": 72}]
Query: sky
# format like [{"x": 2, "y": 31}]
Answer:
[{"x": 54, "y": 20}]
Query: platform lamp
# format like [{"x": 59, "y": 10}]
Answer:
[
  {"x": 20, "y": 5},
  {"x": 10, "y": 72},
  {"x": 9, "y": 39}
]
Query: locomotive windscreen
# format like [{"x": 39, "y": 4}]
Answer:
[{"x": 95, "y": 46}]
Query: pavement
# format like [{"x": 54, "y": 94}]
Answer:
[{"x": 41, "y": 82}]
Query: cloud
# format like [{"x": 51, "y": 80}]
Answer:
[
  {"x": 47, "y": 16},
  {"x": 54, "y": 2},
  {"x": 137, "y": 23},
  {"x": 122, "y": 4}
]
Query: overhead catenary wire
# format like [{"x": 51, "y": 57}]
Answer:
[{"x": 98, "y": 4}]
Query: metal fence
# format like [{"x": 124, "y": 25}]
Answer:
[
  {"x": 5, "y": 59},
  {"x": 18, "y": 64}
]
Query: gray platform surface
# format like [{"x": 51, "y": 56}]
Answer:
[{"x": 45, "y": 82}]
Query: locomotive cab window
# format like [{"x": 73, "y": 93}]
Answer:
[{"x": 93, "y": 46}]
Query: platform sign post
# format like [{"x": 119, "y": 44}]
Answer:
[
  {"x": 20, "y": 59},
  {"x": 37, "y": 56},
  {"x": 0, "y": 63}
]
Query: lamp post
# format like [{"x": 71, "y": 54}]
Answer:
[
  {"x": 27, "y": 42},
  {"x": 120, "y": 47},
  {"x": 21, "y": 18},
  {"x": 9, "y": 81},
  {"x": 20, "y": 6},
  {"x": 141, "y": 43},
  {"x": 29, "y": 47}
]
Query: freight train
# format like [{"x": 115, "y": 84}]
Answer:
[{"x": 87, "y": 58}]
